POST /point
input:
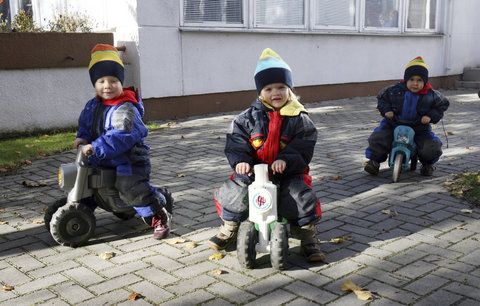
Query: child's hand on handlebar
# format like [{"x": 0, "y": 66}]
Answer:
[
  {"x": 87, "y": 150},
  {"x": 389, "y": 115},
  {"x": 426, "y": 120},
  {"x": 278, "y": 166},
  {"x": 242, "y": 168},
  {"x": 79, "y": 141}
]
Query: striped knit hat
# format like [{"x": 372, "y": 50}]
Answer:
[
  {"x": 272, "y": 69},
  {"x": 105, "y": 62},
  {"x": 416, "y": 67}
]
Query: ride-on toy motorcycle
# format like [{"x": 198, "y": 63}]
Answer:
[
  {"x": 403, "y": 155},
  {"x": 263, "y": 232},
  {"x": 71, "y": 220}
]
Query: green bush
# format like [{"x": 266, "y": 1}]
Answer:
[{"x": 68, "y": 22}]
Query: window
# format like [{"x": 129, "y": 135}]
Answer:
[
  {"x": 369, "y": 16},
  {"x": 10, "y": 8},
  {"x": 279, "y": 13},
  {"x": 5, "y": 12},
  {"x": 335, "y": 13},
  {"x": 213, "y": 12},
  {"x": 381, "y": 13},
  {"x": 422, "y": 14}
]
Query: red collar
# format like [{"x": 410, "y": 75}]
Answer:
[{"x": 128, "y": 95}]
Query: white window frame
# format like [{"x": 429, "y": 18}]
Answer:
[
  {"x": 354, "y": 28},
  {"x": 437, "y": 18},
  {"x": 212, "y": 24},
  {"x": 309, "y": 26}
]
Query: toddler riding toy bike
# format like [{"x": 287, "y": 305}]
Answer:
[
  {"x": 403, "y": 155},
  {"x": 263, "y": 232},
  {"x": 71, "y": 220}
]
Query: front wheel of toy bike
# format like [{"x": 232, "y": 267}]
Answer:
[
  {"x": 51, "y": 210},
  {"x": 279, "y": 246},
  {"x": 397, "y": 166},
  {"x": 73, "y": 224},
  {"x": 247, "y": 238}
]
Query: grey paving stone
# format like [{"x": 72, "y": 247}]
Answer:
[
  {"x": 426, "y": 284},
  {"x": 156, "y": 276},
  {"x": 39, "y": 284},
  {"x": 84, "y": 276},
  {"x": 72, "y": 293},
  {"x": 109, "y": 298},
  {"x": 310, "y": 292},
  {"x": 151, "y": 292},
  {"x": 276, "y": 297},
  {"x": 189, "y": 285},
  {"x": 30, "y": 298},
  {"x": 268, "y": 284},
  {"x": 230, "y": 292},
  {"x": 193, "y": 298}
]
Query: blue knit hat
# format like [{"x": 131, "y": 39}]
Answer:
[{"x": 272, "y": 69}]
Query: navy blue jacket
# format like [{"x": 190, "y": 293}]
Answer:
[{"x": 432, "y": 104}]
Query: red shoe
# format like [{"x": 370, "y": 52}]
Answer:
[{"x": 160, "y": 225}]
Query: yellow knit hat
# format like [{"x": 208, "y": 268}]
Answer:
[{"x": 418, "y": 67}]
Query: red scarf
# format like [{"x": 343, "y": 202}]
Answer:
[
  {"x": 128, "y": 95},
  {"x": 268, "y": 153}
]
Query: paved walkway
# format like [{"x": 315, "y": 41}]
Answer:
[{"x": 427, "y": 254}]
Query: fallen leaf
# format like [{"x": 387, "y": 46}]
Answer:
[
  {"x": 216, "y": 256},
  {"x": 106, "y": 255},
  {"x": 336, "y": 177},
  {"x": 38, "y": 221},
  {"x": 8, "y": 288},
  {"x": 28, "y": 183},
  {"x": 218, "y": 272},
  {"x": 27, "y": 162},
  {"x": 467, "y": 211},
  {"x": 339, "y": 240},
  {"x": 391, "y": 213},
  {"x": 450, "y": 133},
  {"x": 180, "y": 175},
  {"x": 134, "y": 296},
  {"x": 190, "y": 245},
  {"x": 361, "y": 294},
  {"x": 3, "y": 222},
  {"x": 175, "y": 240}
]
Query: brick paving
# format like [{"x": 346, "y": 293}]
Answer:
[{"x": 427, "y": 254}]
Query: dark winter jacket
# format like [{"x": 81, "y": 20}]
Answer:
[
  {"x": 116, "y": 133},
  {"x": 432, "y": 104},
  {"x": 250, "y": 130}
]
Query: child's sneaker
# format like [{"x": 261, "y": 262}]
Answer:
[
  {"x": 427, "y": 169},
  {"x": 226, "y": 236},
  {"x": 160, "y": 225},
  {"x": 312, "y": 252},
  {"x": 372, "y": 167}
]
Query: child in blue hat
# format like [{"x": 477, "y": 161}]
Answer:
[{"x": 275, "y": 130}]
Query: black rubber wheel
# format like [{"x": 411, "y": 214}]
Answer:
[
  {"x": 73, "y": 224},
  {"x": 247, "y": 238},
  {"x": 125, "y": 215},
  {"x": 413, "y": 162},
  {"x": 51, "y": 209},
  {"x": 397, "y": 166},
  {"x": 279, "y": 246}
]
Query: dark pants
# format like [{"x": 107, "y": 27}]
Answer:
[
  {"x": 297, "y": 201},
  {"x": 429, "y": 146}
]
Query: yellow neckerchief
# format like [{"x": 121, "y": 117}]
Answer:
[{"x": 291, "y": 108}]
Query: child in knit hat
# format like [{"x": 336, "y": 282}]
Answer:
[
  {"x": 275, "y": 130},
  {"x": 412, "y": 102},
  {"x": 112, "y": 133}
]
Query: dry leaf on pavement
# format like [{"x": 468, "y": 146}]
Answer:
[
  {"x": 361, "y": 294},
  {"x": 336, "y": 177},
  {"x": 175, "y": 240},
  {"x": 3, "y": 222},
  {"x": 8, "y": 288},
  {"x": 134, "y": 296},
  {"x": 216, "y": 256},
  {"x": 190, "y": 245},
  {"x": 217, "y": 272},
  {"x": 28, "y": 183},
  {"x": 38, "y": 221},
  {"x": 338, "y": 240},
  {"x": 389, "y": 212},
  {"x": 107, "y": 255},
  {"x": 467, "y": 211}
]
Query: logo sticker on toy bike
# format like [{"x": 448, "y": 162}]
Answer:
[{"x": 262, "y": 200}]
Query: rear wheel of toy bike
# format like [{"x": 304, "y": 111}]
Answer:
[
  {"x": 51, "y": 209},
  {"x": 397, "y": 166},
  {"x": 125, "y": 215},
  {"x": 279, "y": 246},
  {"x": 73, "y": 224},
  {"x": 247, "y": 238}
]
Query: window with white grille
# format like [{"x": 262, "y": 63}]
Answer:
[
  {"x": 335, "y": 13},
  {"x": 213, "y": 12},
  {"x": 278, "y": 13},
  {"x": 422, "y": 14},
  {"x": 369, "y": 16}
]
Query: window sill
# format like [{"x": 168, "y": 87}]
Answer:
[{"x": 307, "y": 32}]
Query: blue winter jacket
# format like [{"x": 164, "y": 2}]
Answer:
[{"x": 113, "y": 132}]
